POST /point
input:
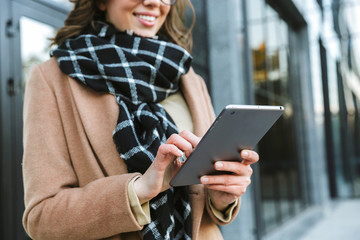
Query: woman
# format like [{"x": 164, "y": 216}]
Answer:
[{"x": 99, "y": 147}]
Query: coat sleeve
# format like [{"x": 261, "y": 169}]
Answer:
[{"x": 55, "y": 206}]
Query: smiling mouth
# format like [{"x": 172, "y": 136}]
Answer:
[{"x": 146, "y": 17}]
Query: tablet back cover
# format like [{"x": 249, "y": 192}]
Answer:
[{"x": 237, "y": 127}]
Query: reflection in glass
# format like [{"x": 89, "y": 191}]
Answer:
[
  {"x": 272, "y": 27},
  {"x": 345, "y": 127},
  {"x": 255, "y": 9},
  {"x": 35, "y": 41},
  {"x": 281, "y": 194}
]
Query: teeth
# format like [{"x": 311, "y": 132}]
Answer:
[{"x": 147, "y": 18}]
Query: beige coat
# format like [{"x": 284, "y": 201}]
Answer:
[{"x": 75, "y": 182}]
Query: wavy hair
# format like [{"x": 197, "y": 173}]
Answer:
[{"x": 86, "y": 12}]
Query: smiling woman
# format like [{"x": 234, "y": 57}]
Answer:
[{"x": 106, "y": 111}]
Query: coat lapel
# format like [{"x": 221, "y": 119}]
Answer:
[
  {"x": 198, "y": 100},
  {"x": 99, "y": 114}
]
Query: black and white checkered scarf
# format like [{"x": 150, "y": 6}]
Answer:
[{"x": 139, "y": 72}]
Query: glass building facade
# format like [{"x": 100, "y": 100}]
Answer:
[{"x": 280, "y": 185}]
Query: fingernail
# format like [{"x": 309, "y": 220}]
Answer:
[
  {"x": 219, "y": 165},
  {"x": 204, "y": 179},
  {"x": 245, "y": 154},
  {"x": 180, "y": 152}
]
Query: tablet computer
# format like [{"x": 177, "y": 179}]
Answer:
[{"x": 236, "y": 128}]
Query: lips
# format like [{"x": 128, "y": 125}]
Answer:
[{"x": 146, "y": 17}]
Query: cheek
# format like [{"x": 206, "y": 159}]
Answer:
[
  {"x": 121, "y": 20},
  {"x": 165, "y": 14},
  {"x": 165, "y": 10}
]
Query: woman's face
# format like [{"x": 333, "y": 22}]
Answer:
[{"x": 144, "y": 17}]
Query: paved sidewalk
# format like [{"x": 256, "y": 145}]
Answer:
[{"x": 342, "y": 222}]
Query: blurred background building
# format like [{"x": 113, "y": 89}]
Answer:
[{"x": 304, "y": 55}]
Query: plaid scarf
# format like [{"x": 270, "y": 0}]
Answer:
[{"x": 139, "y": 72}]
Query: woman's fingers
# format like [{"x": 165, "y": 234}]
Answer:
[
  {"x": 235, "y": 190},
  {"x": 233, "y": 167},
  {"x": 157, "y": 177},
  {"x": 223, "y": 189},
  {"x": 235, "y": 185},
  {"x": 190, "y": 137},
  {"x": 185, "y": 141},
  {"x": 171, "y": 149},
  {"x": 175, "y": 146},
  {"x": 226, "y": 180},
  {"x": 249, "y": 157},
  {"x": 167, "y": 153},
  {"x": 238, "y": 178}
]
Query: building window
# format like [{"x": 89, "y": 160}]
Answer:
[
  {"x": 281, "y": 189},
  {"x": 34, "y": 47}
]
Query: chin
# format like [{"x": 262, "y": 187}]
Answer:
[{"x": 145, "y": 34}]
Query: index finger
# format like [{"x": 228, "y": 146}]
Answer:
[{"x": 190, "y": 137}]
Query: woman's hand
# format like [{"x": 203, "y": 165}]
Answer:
[
  {"x": 166, "y": 164},
  {"x": 225, "y": 189}
]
